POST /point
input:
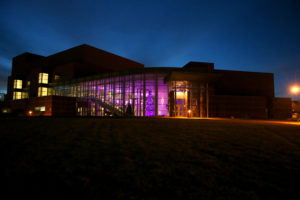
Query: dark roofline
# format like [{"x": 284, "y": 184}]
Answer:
[
  {"x": 28, "y": 53},
  {"x": 199, "y": 62},
  {"x": 95, "y": 48},
  {"x": 225, "y": 70},
  {"x": 146, "y": 70},
  {"x": 66, "y": 50}
]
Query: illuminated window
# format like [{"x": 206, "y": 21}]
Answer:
[
  {"x": 42, "y": 91},
  {"x": 41, "y": 108},
  {"x": 28, "y": 83},
  {"x": 24, "y": 95},
  {"x": 17, "y": 84},
  {"x": 43, "y": 78},
  {"x": 50, "y": 91},
  {"x": 17, "y": 95}
]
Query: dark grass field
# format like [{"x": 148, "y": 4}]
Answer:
[{"x": 55, "y": 158}]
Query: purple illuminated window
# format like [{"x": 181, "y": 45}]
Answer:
[{"x": 146, "y": 93}]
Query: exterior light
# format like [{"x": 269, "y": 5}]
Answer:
[
  {"x": 30, "y": 112},
  {"x": 189, "y": 113},
  {"x": 295, "y": 89}
]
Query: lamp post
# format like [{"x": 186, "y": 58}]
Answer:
[
  {"x": 189, "y": 113},
  {"x": 295, "y": 90},
  {"x": 30, "y": 113}
]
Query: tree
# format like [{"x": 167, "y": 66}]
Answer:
[{"x": 150, "y": 105}]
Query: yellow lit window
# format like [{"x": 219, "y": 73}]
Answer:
[
  {"x": 17, "y": 95},
  {"x": 42, "y": 91},
  {"x": 40, "y": 108},
  {"x": 24, "y": 95},
  {"x": 43, "y": 78},
  {"x": 50, "y": 91},
  {"x": 17, "y": 84}
]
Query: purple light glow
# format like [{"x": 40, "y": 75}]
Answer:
[
  {"x": 150, "y": 110},
  {"x": 146, "y": 94}
]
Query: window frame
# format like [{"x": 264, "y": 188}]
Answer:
[
  {"x": 42, "y": 91},
  {"x": 17, "y": 95},
  {"x": 18, "y": 83},
  {"x": 43, "y": 78}
]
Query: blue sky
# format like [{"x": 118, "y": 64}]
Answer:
[{"x": 250, "y": 35}]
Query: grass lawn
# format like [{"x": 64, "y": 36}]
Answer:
[{"x": 94, "y": 158}]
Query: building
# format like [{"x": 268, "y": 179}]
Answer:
[
  {"x": 86, "y": 81},
  {"x": 296, "y": 110}
]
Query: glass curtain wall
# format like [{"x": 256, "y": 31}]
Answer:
[
  {"x": 188, "y": 99},
  {"x": 135, "y": 95}
]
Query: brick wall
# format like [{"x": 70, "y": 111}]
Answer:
[
  {"x": 238, "y": 106},
  {"x": 281, "y": 108}
]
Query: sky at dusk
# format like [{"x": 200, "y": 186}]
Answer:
[{"x": 249, "y": 35}]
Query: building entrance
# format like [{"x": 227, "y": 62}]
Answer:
[
  {"x": 180, "y": 99},
  {"x": 180, "y": 111},
  {"x": 181, "y": 104},
  {"x": 188, "y": 99}
]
